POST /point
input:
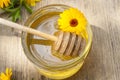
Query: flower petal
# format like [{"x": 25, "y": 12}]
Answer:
[
  {"x": 4, "y": 3},
  {"x": 31, "y": 2}
]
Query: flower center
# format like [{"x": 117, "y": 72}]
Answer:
[{"x": 73, "y": 22}]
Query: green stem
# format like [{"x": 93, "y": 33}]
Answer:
[
  {"x": 27, "y": 7},
  {"x": 11, "y": 10}
]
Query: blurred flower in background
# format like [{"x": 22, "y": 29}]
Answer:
[
  {"x": 4, "y": 3},
  {"x": 14, "y": 7},
  {"x": 31, "y": 2},
  {"x": 7, "y": 75}
]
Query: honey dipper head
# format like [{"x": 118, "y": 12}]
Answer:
[{"x": 68, "y": 45}]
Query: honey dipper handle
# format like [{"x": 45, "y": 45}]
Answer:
[{"x": 26, "y": 29}]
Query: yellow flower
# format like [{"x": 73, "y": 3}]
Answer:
[
  {"x": 72, "y": 20},
  {"x": 31, "y": 2},
  {"x": 7, "y": 75},
  {"x": 4, "y": 3}
]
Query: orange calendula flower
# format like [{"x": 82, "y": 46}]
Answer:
[
  {"x": 72, "y": 20},
  {"x": 4, "y": 3},
  {"x": 31, "y": 2},
  {"x": 7, "y": 75}
]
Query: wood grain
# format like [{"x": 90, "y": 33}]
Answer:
[{"x": 103, "y": 61}]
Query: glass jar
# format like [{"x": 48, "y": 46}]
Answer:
[{"x": 38, "y": 50}]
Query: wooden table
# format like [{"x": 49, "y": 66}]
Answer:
[{"x": 103, "y": 61}]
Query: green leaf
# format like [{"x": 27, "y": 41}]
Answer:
[
  {"x": 16, "y": 15},
  {"x": 11, "y": 10},
  {"x": 27, "y": 7},
  {"x": 13, "y": 79},
  {"x": 15, "y": 1}
]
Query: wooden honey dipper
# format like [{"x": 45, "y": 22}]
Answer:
[
  {"x": 69, "y": 44},
  {"x": 65, "y": 43}
]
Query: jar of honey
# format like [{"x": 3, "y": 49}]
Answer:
[{"x": 38, "y": 50}]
